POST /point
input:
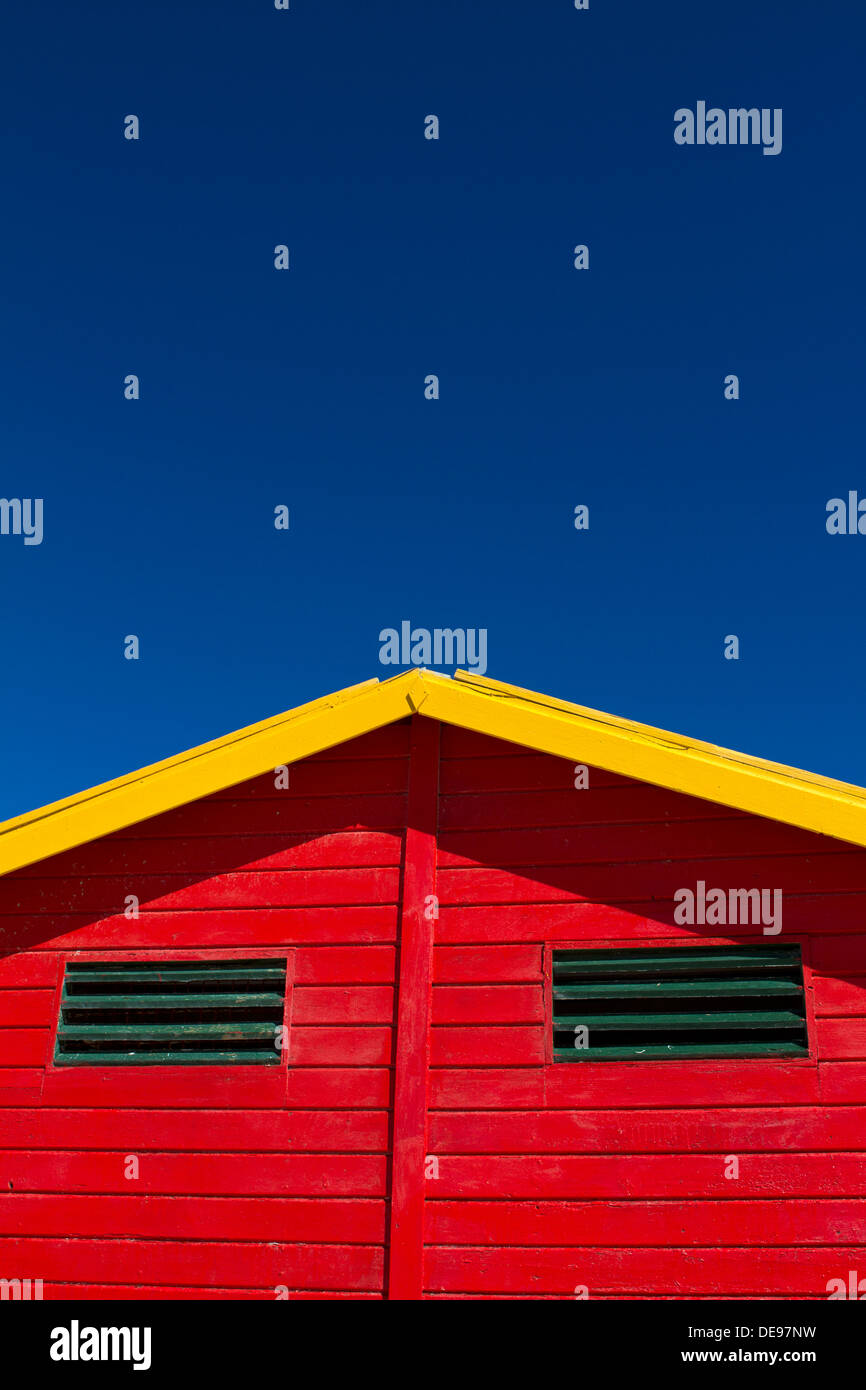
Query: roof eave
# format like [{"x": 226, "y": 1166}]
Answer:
[{"x": 468, "y": 701}]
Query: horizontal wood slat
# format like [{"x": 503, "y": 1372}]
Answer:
[
  {"x": 341, "y": 1220},
  {"x": 486, "y": 964},
  {"x": 671, "y": 1175},
  {"x": 545, "y": 922},
  {"x": 831, "y": 873},
  {"x": 301, "y": 815},
  {"x": 674, "y": 1271},
  {"x": 732, "y": 837},
  {"x": 219, "y": 1174},
  {"x": 210, "y": 1130},
  {"x": 309, "y": 1265},
  {"x": 616, "y": 1084},
  {"x": 328, "y": 1085},
  {"x": 759, "y": 1129},
  {"x": 633, "y": 802},
  {"x": 279, "y": 888},
  {"x": 154, "y": 857},
  {"x": 54, "y": 1289},
  {"x": 230, "y": 927},
  {"x": 640, "y": 1223}
]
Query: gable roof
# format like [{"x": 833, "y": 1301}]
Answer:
[{"x": 471, "y": 702}]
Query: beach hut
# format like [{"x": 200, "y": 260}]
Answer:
[{"x": 436, "y": 988}]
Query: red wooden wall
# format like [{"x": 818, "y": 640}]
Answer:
[
  {"x": 547, "y": 1178},
  {"x": 611, "y": 1175},
  {"x": 242, "y": 1187}
]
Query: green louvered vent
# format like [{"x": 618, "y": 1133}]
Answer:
[
  {"x": 726, "y": 1001},
  {"x": 180, "y": 1012}
]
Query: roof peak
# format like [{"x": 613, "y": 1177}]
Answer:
[{"x": 466, "y": 700}]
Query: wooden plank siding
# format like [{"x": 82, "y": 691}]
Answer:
[
  {"x": 547, "y": 1177},
  {"x": 611, "y": 1176},
  {"x": 241, "y": 1189}
]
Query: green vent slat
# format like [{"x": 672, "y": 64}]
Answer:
[
  {"x": 158, "y": 973},
  {"x": 660, "y": 1022},
  {"x": 164, "y": 1032},
  {"x": 170, "y": 1012},
  {"x": 224, "y": 1002},
  {"x": 175, "y": 1057},
  {"x": 641, "y": 963},
  {"x": 666, "y": 989},
  {"x": 706, "y": 1002}
]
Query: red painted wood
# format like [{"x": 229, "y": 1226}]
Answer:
[
  {"x": 465, "y": 743},
  {"x": 840, "y": 996},
  {"x": 615, "y": 923},
  {"x": 735, "y": 837},
  {"x": 220, "y": 927},
  {"x": 357, "y": 1220},
  {"x": 344, "y": 1004},
  {"x": 842, "y": 1082},
  {"x": 488, "y": 1046},
  {"x": 250, "y": 1131},
  {"x": 496, "y": 1004},
  {"x": 192, "y": 1087},
  {"x": 298, "y": 815},
  {"x": 641, "y": 1223},
  {"x": 362, "y": 1046},
  {"x": 840, "y": 1038},
  {"x": 222, "y": 1174},
  {"x": 485, "y": 964},
  {"x": 392, "y": 741},
  {"x": 835, "y": 955},
  {"x": 494, "y": 1087},
  {"x": 717, "y": 1271},
  {"x": 603, "y": 806},
  {"x": 24, "y": 1047},
  {"x": 216, "y": 854},
  {"x": 35, "y": 970},
  {"x": 21, "y": 1008},
  {"x": 622, "y": 883},
  {"x": 53, "y": 1290},
  {"x": 18, "y": 1079},
  {"x": 251, "y": 1155},
  {"x": 615, "y": 1084},
  {"x": 343, "y": 965},
  {"x": 339, "y": 777},
  {"x": 331, "y": 1087},
  {"x": 756, "y": 1129},
  {"x": 651, "y": 1175},
  {"x": 615, "y": 1168},
  {"x": 311, "y": 1266},
  {"x": 460, "y": 1297},
  {"x": 405, "y": 1279},
  {"x": 516, "y": 771},
  {"x": 279, "y": 888},
  {"x": 335, "y": 1086}
]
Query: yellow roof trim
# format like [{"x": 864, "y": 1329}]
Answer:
[{"x": 471, "y": 702}]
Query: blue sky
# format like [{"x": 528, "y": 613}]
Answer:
[{"x": 408, "y": 257}]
